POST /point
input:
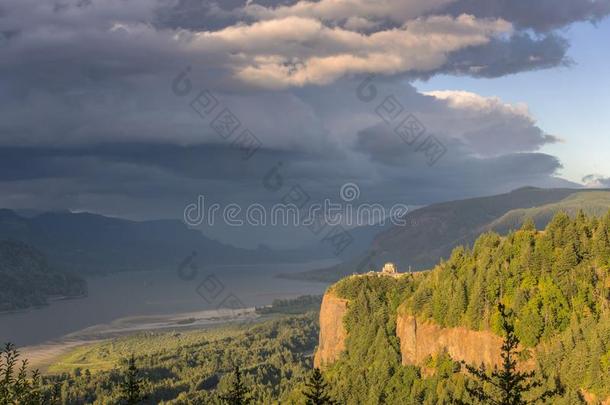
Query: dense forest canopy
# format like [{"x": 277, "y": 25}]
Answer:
[{"x": 548, "y": 278}]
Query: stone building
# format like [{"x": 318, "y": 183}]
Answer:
[{"x": 389, "y": 268}]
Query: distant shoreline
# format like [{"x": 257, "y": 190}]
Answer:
[{"x": 50, "y": 299}]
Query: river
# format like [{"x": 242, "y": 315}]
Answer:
[{"x": 157, "y": 293}]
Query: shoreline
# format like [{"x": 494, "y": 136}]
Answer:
[
  {"x": 50, "y": 300},
  {"x": 42, "y": 356}
]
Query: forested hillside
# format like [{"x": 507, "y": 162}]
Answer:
[
  {"x": 26, "y": 279},
  {"x": 194, "y": 367},
  {"x": 556, "y": 282}
]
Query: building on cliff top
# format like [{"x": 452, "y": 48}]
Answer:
[{"x": 389, "y": 268}]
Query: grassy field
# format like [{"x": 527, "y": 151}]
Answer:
[{"x": 104, "y": 356}]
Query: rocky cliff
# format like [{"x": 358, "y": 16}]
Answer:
[
  {"x": 332, "y": 330},
  {"x": 419, "y": 340}
]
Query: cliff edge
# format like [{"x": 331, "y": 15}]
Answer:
[
  {"x": 418, "y": 340},
  {"x": 332, "y": 329}
]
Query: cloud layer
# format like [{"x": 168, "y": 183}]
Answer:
[{"x": 91, "y": 119}]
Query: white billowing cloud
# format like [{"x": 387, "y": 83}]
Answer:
[
  {"x": 468, "y": 101},
  {"x": 297, "y": 51},
  {"x": 291, "y": 48},
  {"x": 488, "y": 125}
]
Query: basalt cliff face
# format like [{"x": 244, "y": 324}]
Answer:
[
  {"x": 418, "y": 340},
  {"x": 332, "y": 329}
]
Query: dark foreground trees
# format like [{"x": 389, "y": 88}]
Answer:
[
  {"x": 16, "y": 387},
  {"x": 238, "y": 393},
  {"x": 131, "y": 386},
  {"x": 317, "y": 390},
  {"x": 507, "y": 385}
]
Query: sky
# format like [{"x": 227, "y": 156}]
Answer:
[
  {"x": 570, "y": 102},
  {"x": 136, "y": 108}
]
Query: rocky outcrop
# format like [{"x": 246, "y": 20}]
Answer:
[
  {"x": 419, "y": 340},
  {"x": 332, "y": 329}
]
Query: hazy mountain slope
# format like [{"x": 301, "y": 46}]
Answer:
[
  {"x": 88, "y": 243},
  {"x": 26, "y": 279},
  {"x": 591, "y": 202},
  {"x": 433, "y": 231}
]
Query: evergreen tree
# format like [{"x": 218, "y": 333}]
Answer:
[
  {"x": 131, "y": 387},
  {"x": 317, "y": 390},
  {"x": 238, "y": 393},
  {"x": 507, "y": 385},
  {"x": 565, "y": 262},
  {"x": 601, "y": 245}
]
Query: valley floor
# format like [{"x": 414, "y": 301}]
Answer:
[{"x": 47, "y": 357}]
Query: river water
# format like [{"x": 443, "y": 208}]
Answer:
[{"x": 157, "y": 293}]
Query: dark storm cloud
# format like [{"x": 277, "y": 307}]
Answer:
[
  {"x": 521, "y": 52},
  {"x": 197, "y": 15},
  {"x": 206, "y": 15},
  {"x": 459, "y": 119},
  {"x": 540, "y": 15},
  {"x": 90, "y": 122}
]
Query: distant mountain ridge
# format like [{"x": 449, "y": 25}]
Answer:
[
  {"x": 594, "y": 202},
  {"x": 433, "y": 231},
  {"x": 85, "y": 243}
]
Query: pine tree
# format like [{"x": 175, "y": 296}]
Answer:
[
  {"x": 131, "y": 387},
  {"x": 507, "y": 385},
  {"x": 238, "y": 393},
  {"x": 565, "y": 263},
  {"x": 317, "y": 388}
]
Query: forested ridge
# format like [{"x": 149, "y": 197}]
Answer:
[
  {"x": 26, "y": 278},
  {"x": 555, "y": 282}
]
